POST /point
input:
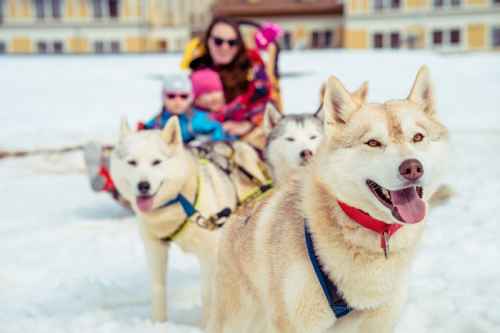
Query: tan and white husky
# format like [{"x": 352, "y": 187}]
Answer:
[
  {"x": 376, "y": 168},
  {"x": 151, "y": 168}
]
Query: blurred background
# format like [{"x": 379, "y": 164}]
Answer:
[{"x": 160, "y": 26}]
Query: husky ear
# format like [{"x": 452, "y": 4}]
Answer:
[
  {"x": 422, "y": 92},
  {"x": 320, "y": 113},
  {"x": 124, "y": 128},
  {"x": 271, "y": 118},
  {"x": 361, "y": 94},
  {"x": 171, "y": 134},
  {"x": 338, "y": 104}
]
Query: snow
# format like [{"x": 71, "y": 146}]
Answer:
[{"x": 72, "y": 261}]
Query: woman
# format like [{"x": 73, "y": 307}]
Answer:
[{"x": 242, "y": 72}]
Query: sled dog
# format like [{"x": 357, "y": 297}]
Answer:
[
  {"x": 292, "y": 140},
  {"x": 164, "y": 181},
  {"x": 330, "y": 250}
]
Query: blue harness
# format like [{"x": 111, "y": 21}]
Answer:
[
  {"x": 188, "y": 208},
  {"x": 337, "y": 303}
]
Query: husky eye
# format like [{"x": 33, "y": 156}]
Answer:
[
  {"x": 156, "y": 162},
  {"x": 132, "y": 162},
  {"x": 290, "y": 139},
  {"x": 313, "y": 137},
  {"x": 373, "y": 143},
  {"x": 418, "y": 137}
]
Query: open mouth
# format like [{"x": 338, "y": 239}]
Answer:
[
  {"x": 145, "y": 203},
  {"x": 406, "y": 204}
]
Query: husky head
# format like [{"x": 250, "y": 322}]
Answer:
[
  {"x": 150, "y": 167},
  {"x": 292, "y": 141},
  {"x": 385, "y": 159}
]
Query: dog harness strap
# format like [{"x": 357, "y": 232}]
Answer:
[
  {"x": 385, "y": 230},
  {"x": 337, "y": 303},
  {"x": 188, "y": 207}
]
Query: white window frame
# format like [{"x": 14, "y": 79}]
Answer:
[
  {"x": 447, "y": 5},
  {"x": 386, "y": 6},
  {"x": 48, "y": 10},
  {"x": 446, "y": 45},
  {"x": 104, "y": 4},
  {"x": 50, "y": 45},
  {"x": 106, "y": 46}
]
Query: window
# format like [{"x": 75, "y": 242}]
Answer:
[
  {"x": 115, "y": 47},
  {"x": 315, "y": 40},
  {"x": 40, "y": 9},
  {"x": 98, "y": 13},
  {"x": 1, "y": 11},
  {"x": 41, "y": 47},
  {"x": 455, "y": 36},
  {"x": 113, "y": 8},
  {"x": 447, "y": 3},
  {"x": 378, "y": 4},
  {"x": 438, "y": 3},
  {"x": 495, "y": 38},
  {"x": 99, "y": 46},
  {"x": 286, "y": 41},
  {"x": 395, "y": 40},
  {"x": 2, "y": 48},
  {"x": 378, "y": 40},
  {"x": 58, "y": 47},
  {"x": 437, "y": 37},
  {"x": 162, "y": 45},
  {"x": 56, "y": 8},
  {"x": 48, "y": 8},
  {"x": 106, "y": 8},
  {"x": 328, "y": 38},
  {"x": 395, "y": 4}
]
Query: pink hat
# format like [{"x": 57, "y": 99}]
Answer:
[{"x": 205, "y": 81}]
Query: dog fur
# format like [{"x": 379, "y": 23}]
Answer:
[{"x": 264, "y": 280}]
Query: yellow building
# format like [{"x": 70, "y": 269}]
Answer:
[
  {"x": 443, "y": 25},
  {"x": 99, "y": 26}
]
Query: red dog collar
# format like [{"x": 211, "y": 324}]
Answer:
[{"x": 384, "y": 229}]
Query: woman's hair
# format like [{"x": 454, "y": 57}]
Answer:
[{"x": 234, "y": 76}]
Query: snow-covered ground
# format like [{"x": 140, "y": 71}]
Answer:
[{"x": 72, "y": 261}]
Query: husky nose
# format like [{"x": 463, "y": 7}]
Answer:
[
  {"x": 306, "y": 154},
  {"x": 144, "y": 187},
  {"x": 411, "y": 169}
]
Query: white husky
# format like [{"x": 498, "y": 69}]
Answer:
[
  {"x": 163, "y": 181},
  {"x": 315, "y": 256}
]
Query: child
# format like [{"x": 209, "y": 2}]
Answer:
[
  {"x": 177, "y": 100},
  {"x": 208, "y": 90}
]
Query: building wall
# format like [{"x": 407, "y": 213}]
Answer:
[
  {"x": 140, "y": 26},
  {"x": 416, "y": 21}
]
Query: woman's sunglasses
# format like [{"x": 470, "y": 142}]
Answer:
[
  {"x": 174, "y": 95},
  {"x": 220, "y": 41}
]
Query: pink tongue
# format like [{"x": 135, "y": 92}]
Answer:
[
  {"x": 408, "y": 205},
  {"x": 145, "y": 204}
]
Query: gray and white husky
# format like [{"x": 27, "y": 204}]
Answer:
[
  {"x": 292, "y": 142},
  {"x": 292, "y": 139}
]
